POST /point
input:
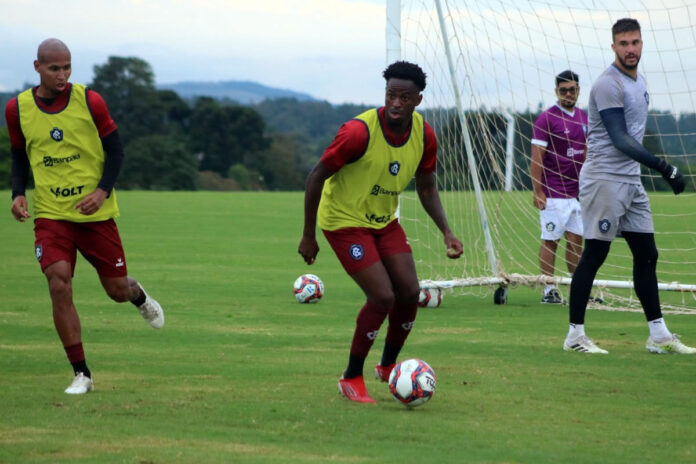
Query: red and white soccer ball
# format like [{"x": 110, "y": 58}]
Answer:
[
  {"x": 430, "y": 297},
  {"x": 412, "y": 382},
  {"x": 308, "y": 288}
]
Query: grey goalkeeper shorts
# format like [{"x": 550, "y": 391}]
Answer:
[{"x": 610, "y": 207}]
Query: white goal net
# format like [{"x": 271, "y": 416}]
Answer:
[{"x": 491, "y": 66}]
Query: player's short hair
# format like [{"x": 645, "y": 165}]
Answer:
[
  {"x": 408, "y": 71},
  {"x": 624, "y": 25},
  {"x": 567, "y": 76}
]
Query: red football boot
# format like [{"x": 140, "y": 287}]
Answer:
[
  {"x": 354, "y": 389},
  {"x": 382, "y": 372}
]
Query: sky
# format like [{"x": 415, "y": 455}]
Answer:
[
  {"x": 505, "y": 52},
  {"x": 331, "y": 49}
]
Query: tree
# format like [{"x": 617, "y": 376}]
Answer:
[
  {"x": 222, "y": 135},
  {"x": 128, "y": 87},
  {"x": 158, "y": 162},
  {"x": 280, "y": 165}
]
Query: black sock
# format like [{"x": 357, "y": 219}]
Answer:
[
  {"x": 592, "y": 258},
  {"x": 81, "y": 366},
  {"x": 140, "y": 300},
  {"x": 645, "y": 254},
  {"x": 355, "y": 367},
  {"x": 390, "y": 354}
]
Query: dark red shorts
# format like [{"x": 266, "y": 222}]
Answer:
[
  {"x": 99, "y": 242},
  {"x": 360, "y": 247}
]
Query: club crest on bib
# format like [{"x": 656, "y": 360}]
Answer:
[
  {"x": 604, "y": 226},
  {"x": 356, "y": 252},
  {"x": 550, "y": 227},
  {"x": 38, "y": 249},
  {"x": 57, "y": 134},
  {"x": 394, "y": 168}
]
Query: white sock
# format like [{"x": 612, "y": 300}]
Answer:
[
  {"x": 575, "y": 331},
  {"x": 658, "y": 329},
  {"x": 548, "y": 288}
]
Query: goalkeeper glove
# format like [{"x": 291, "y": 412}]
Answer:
[{"x": 674, "y": 178}]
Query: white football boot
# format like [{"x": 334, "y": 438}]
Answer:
[
  {"x": 151, "y": 311},
  {"x": 669, "y": 346},
  {"x": 80, "y": 385},
  {"x": 583, "y": 344}
]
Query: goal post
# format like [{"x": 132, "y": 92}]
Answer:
[{"x": 491, "y": 66}]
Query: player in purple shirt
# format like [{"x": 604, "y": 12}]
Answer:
[{"x": 558, "y": 151}]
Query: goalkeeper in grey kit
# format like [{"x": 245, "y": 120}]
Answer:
[{"x": 613, "y": 200}]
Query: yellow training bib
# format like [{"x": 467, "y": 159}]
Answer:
[
  {"x": 365, "y": 193},
  {"x": 66, "y": 157}
]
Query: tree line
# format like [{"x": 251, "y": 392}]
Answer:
[{"x": 208, "y": 144}]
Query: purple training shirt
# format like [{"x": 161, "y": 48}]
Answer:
[{"x": 563, "y": 136}]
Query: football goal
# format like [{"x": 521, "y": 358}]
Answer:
[{"x": 491, "y": 66}]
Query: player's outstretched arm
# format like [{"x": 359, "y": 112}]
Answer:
[
  {"x": 309, "y": 248},
  {"x": 430, "y": 199},
  {"x": 615, "y": 122}
]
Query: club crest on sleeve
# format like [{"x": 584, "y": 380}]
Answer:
[
  {"x": 647, "y": 97},
  {"x": 356, "y": 252},
  {"x": 57, "y": 134},
  {"x": 394, "y": 168},
  {"x": 604, "y": 226},
  {"x": 38, "y": 249}
]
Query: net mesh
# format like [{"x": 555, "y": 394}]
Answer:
[{"x": 504, "y": 56}]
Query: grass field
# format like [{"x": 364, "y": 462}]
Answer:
[{"x": 242, "y": 373}]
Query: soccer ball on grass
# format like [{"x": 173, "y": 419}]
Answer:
[
  {"x": 412, "y": 382},
  {"x": 308, "y": 288},
  {"x": 429, "y": 297}
]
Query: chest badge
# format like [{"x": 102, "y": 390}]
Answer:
[
  {"x": 57, "y": 134},
  {"x": 394, "y": 168}
]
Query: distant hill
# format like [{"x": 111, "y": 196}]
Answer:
[{"x": 244, "y": 92}]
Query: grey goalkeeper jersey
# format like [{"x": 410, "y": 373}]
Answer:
[{"x": 615, "y": 89}]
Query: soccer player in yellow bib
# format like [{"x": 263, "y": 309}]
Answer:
[
  {"x": 64, "y": 133},
  {"x": 352, "y": 193}
]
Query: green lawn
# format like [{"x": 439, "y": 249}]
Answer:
[{"x": 243, "y": 373}]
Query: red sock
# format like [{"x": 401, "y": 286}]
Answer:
[
  {"x": 75, "y": 352},
  {"x": 401, "y": 320},
  {"x": 370, "y": 319}
]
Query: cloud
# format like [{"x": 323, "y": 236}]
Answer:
[{"x": 307, "y": 45}]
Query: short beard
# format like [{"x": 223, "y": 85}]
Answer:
[{"x": 631, "y": 67}]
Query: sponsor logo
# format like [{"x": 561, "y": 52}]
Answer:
[
  {"x": 356, "y": 252},
  {"x": 550, "y": 227},
  {"x": 379, "y": 190},
  {"x": 57, "y": 134},
  {"x": 378, "y": 219},
  {"x": 38, "y": 249},
  {"x": 407, "y": 325},
  {"x": 120, "y": 263},
  {"x": 570, "y": 152},
  {"x": 67, "y": 191},
  {"x": 604, "y": 226},
  {"x": 49, "y": 161},
  {"x": 372, "y": 335},
  {"x": 394, "y": 168}
]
